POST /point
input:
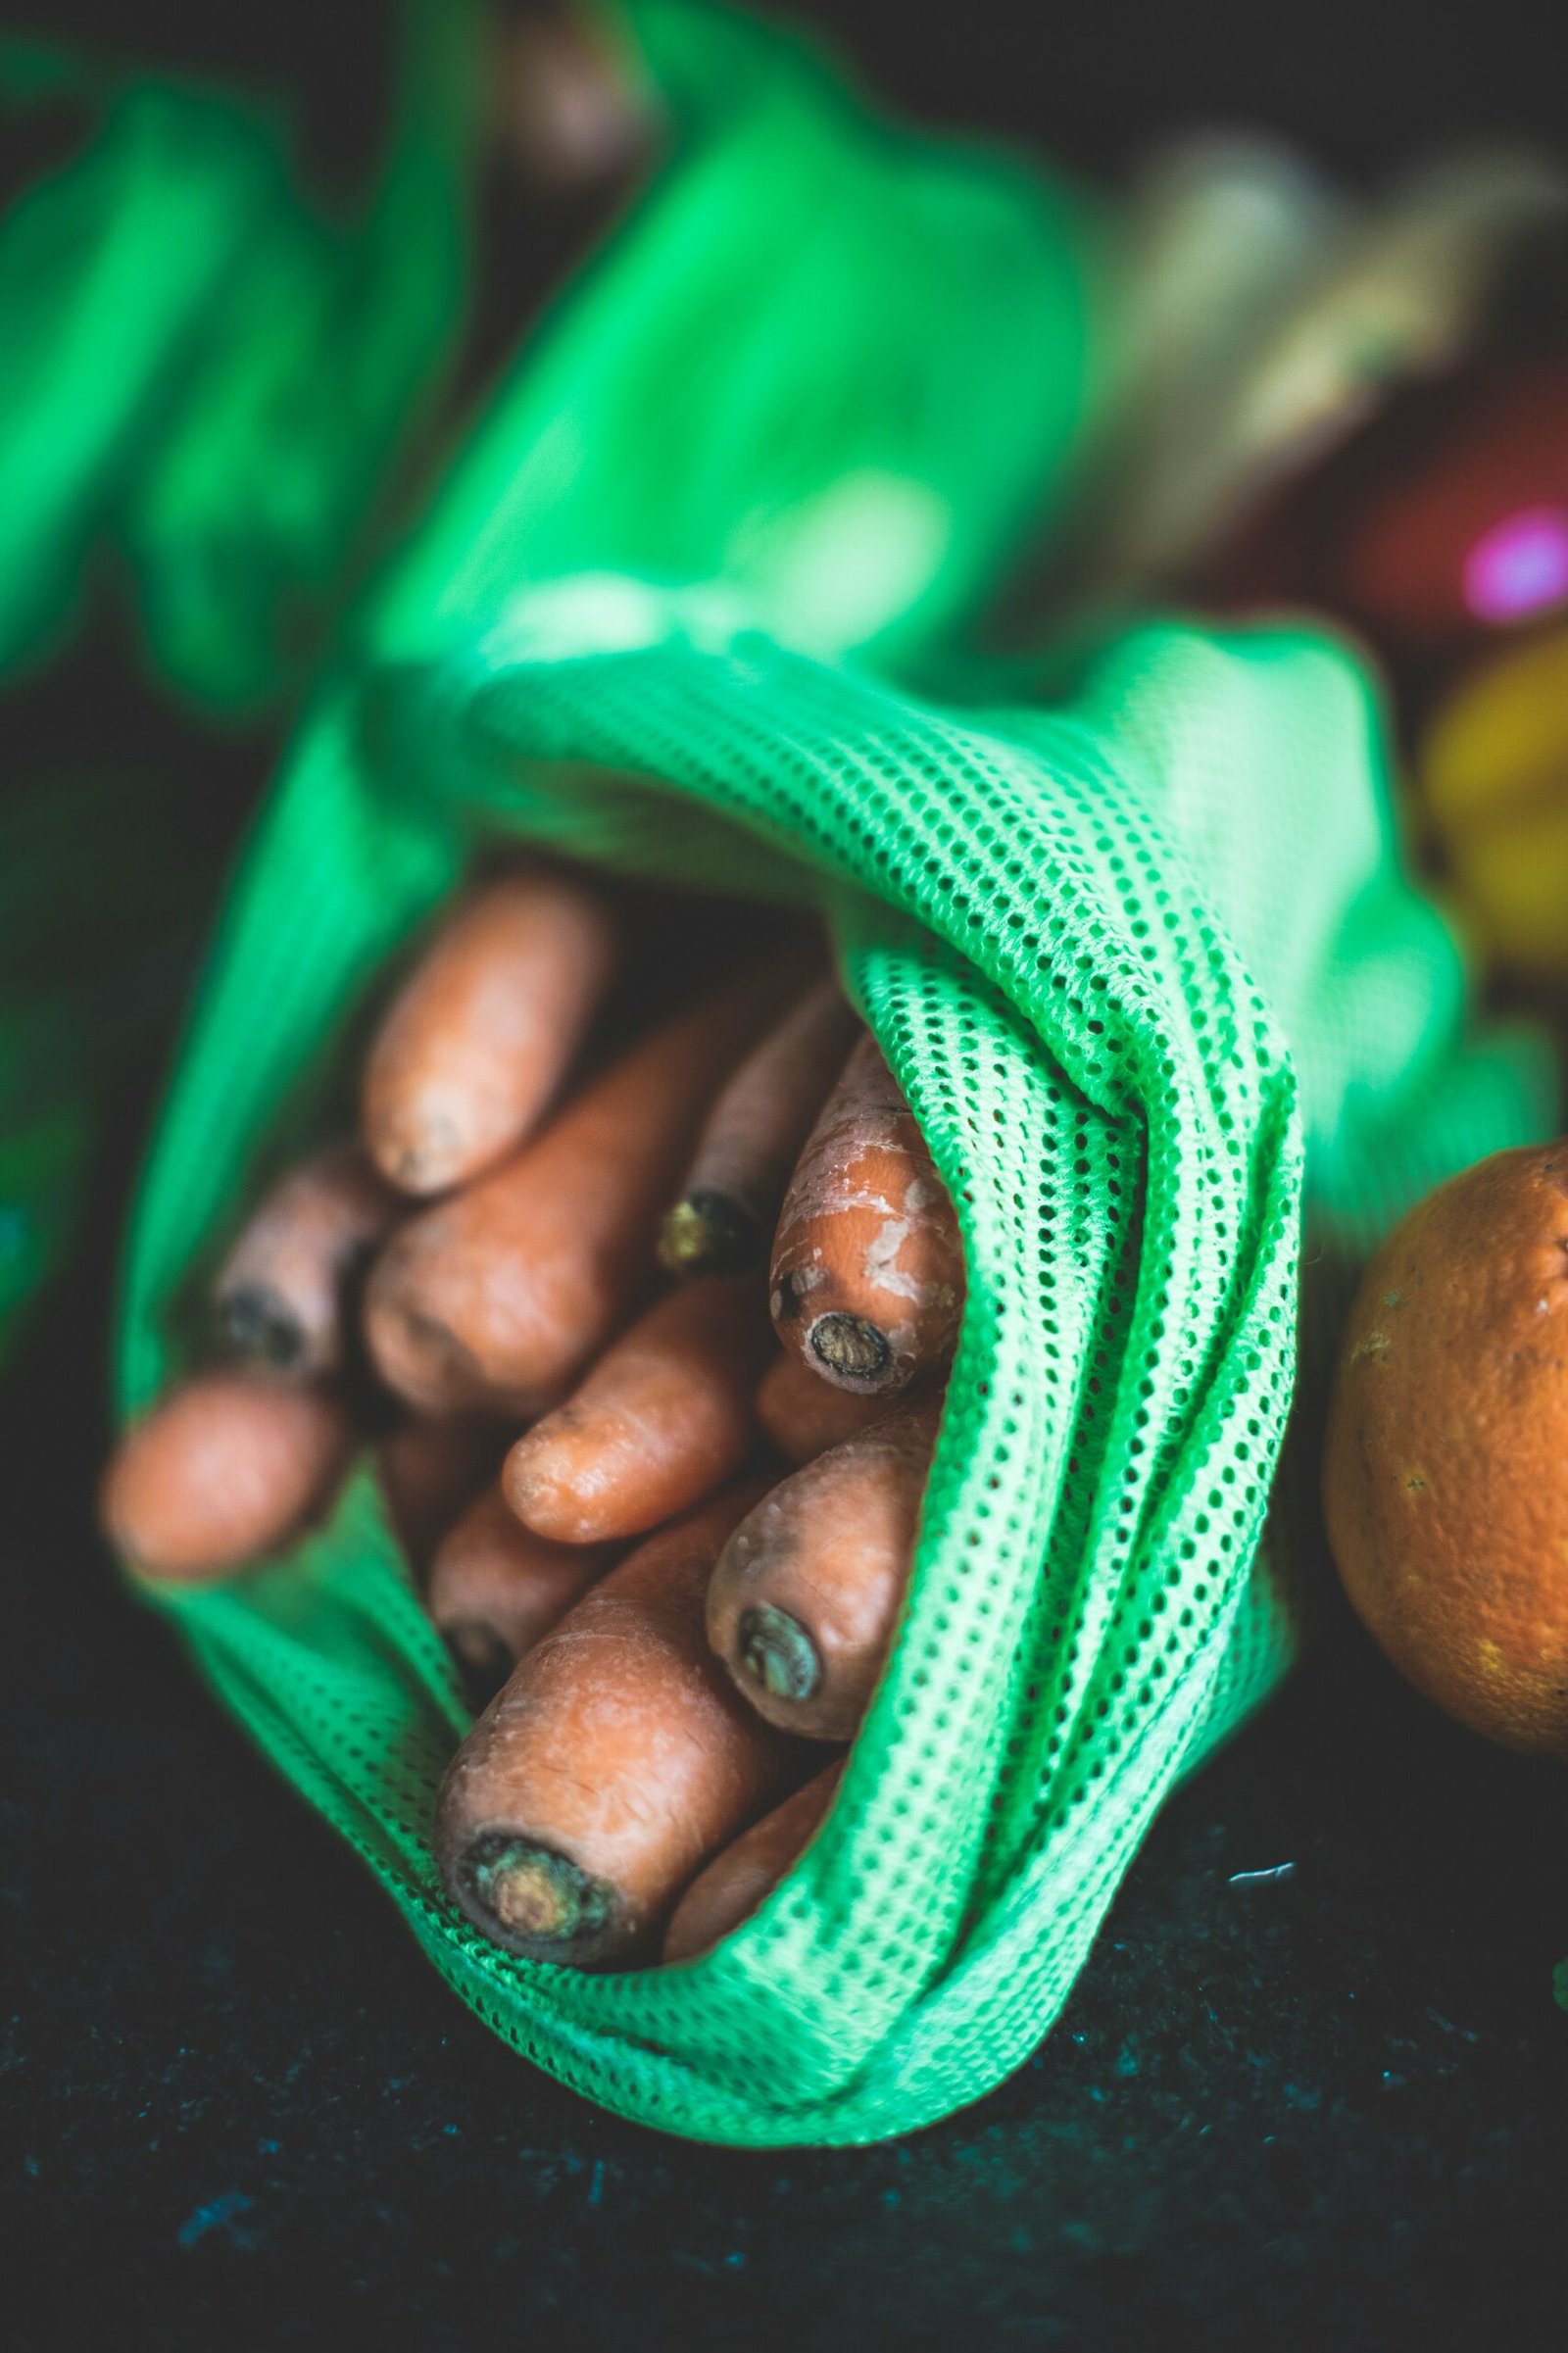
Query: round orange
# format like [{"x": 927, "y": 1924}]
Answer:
[{"x": 1446, "y": 1471}]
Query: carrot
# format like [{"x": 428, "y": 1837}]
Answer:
[
  {"x": 495, "y": 1587},
  {"x": 225, "y": 1469},
  {"x": 806, "y": 1591},
  {"x": 662, "y": 1419},
  {"x": 802, "y": 1414},
  {"x": 430, "y": 1471},
  {"x": 753, "y": 1136},
  {"x": 868, "y": 1274},
  {"x": 738, "y": 1879},
  {"x": 285, "y": 1293},
  {"x": 503, "y": 1296},
  {"x": 616, "y": 1761},
  {"x": 483, "y": 1032}
]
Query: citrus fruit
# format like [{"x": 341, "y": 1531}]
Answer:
[{"x": 1446, "y": 1469}]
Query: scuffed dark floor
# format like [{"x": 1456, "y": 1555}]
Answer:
[{"x": 1323, "y": 2108}]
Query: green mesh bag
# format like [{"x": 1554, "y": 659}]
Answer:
[
  {"x": 1035, "y": 912},
  {"x": 209, "y": 378},
  {"x": 211, "y": 373},
  {"x": 212, "y": 376},
  {"x": 1144, "y": 960}
]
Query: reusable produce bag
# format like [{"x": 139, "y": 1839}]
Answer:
[
  {"x": 214, "y": 375},
  {"x": 1035, "y": 911},
  {"x": 1144, "y": 960},
  {"x": 211, "y": 376},
  {"x": 213, "y": 370}
]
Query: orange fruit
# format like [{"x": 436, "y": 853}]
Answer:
[{"x": 1446, "y": 1469}]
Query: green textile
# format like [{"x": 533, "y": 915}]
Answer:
[
  {"x": 1145, "y": 961},
  {"x": 210, "y": 380},
  {"x": 211, "y": 375},
  {"x": 217, "y": 383}
]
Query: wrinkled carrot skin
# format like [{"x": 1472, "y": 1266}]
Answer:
[
  {"x": 662, "y": 1419},
  {"x": 807, "y": 1593},
  {"x": 615, "y": 1763},
  {"x": 430, "y": 1471},
  {"x": 867, "y": 1272},
  {"x": 288, "y": 1293},
  {"x": 739, "y": 1879},
  {"x": 501, "y": 1297},
  {"x": 753, "y": 1136},
  {"x": 495, "y": 1587},
  {"x": 802, "y": 1414},
  {"x": 224, "y": 1470},
  {"x": 482, "y": 1033}
]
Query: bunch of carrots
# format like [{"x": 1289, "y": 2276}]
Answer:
[{"x": 655, "y": 1356}]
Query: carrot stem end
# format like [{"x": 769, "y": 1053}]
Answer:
[
  {"x": 778, "y": 1653},
  {"x": 255, "y": 1323},
  {"x": 710, "y": 1232},
  {"x": 851, "y": 1349},
  {"x": 535, "y": 1903}
]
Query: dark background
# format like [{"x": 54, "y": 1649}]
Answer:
[
  {"x": 1364, "y": 82},
  {"x": 1325, "y": 2109}
]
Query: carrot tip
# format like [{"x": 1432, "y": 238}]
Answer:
[
  {"x": 257, "y": 1323},
  {"x": 427, "y": 1163},
  {"x": 710, "y": 1232},
  {"x": 532, "y": 1900},
  {"x": 424, "y": 1361},
  {"x": 850, "y": 1351},
  {"x": 778, "y": 1653}
]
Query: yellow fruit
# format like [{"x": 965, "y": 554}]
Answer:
[{"x": 1493, "y": 773}]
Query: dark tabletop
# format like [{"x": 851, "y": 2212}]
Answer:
[
  {"x": 1311, "y": 2090},
  {"x": 1321, "y": 2106}
]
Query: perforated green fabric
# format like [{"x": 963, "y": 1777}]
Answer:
[
  {"x": 1146, "y": 965},
  {"x": 215, "y": 379},
  {"x": 1018, "y": 906}
]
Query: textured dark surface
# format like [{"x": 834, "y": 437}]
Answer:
[
  {"x": 1326, "y": 2108},
  {"x": 1321, "y": 2109}
]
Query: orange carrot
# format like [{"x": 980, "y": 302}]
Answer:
[
  {"x": 495, "y": 1587},
  {"x": 738, "y": 1879},
  {"x": 430, "y": 1471},
  {"x": 868, "y": 1274},
  {"x": 483, "y": 1031},
  {"x": 286, "y": 1294},
  {"x": 753, "y": 1136},
  {"x": 503, "y": 1295},
  {"x": 225, "y": 1469},
  {"x": 616, "y": 1761},
  {"x": 663, "y": 1418},
  {"x": 802, "y": 1414},
  {"x": 807, "y": 1593}
]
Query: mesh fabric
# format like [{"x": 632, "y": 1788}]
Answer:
[
  {"x": 1144, "y": 960},
  {"x": 1022, "y": 913}
]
